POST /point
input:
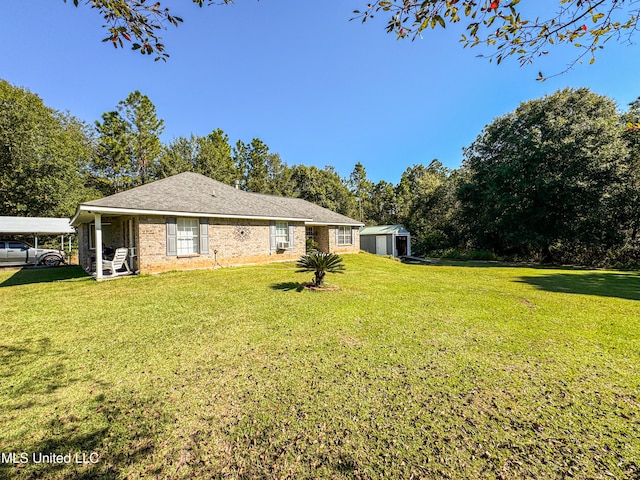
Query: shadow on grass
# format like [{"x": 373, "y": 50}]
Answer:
[
  {"x": 105, "y": 433},
  {"x": 287, "y": 286},
  {"x": 27, "y": 276},
  {"x": 605, "y": 284},
  {"x": 17, "y": 362}
]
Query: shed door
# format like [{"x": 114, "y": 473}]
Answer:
[{"x": 381, "y": 245}]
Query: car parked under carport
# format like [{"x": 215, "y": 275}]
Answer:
[{"x": 16, "y": 253}]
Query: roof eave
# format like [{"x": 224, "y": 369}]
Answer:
[
  {"x": 326, "y": 224},
  {"x": 134, "y": 211}
]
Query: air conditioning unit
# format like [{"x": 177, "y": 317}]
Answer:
[{"x": 283, "y": 245}]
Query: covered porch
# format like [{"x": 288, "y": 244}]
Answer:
[{"x": 105, "y": 236}]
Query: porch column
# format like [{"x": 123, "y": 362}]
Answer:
[
  {"x": 98, "y": 244},
  {"x": 132, "y": 250}
]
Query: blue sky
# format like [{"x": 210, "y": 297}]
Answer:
[{"x": 317, "y": 88}]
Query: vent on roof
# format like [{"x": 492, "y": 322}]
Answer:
[{"x": 213, "y": 193}]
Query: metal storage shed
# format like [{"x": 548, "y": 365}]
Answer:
[{"x": 392, "y": 240}]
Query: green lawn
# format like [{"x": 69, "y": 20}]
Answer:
[{"x": 408, "y": 371}]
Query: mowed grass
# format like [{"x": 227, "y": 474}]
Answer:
[{"x": 408, "y": 371}]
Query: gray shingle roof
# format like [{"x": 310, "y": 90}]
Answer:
[{"x": 193, "y": 193}]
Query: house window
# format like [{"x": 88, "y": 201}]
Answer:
[
  {"x": 282, "y": 233},
  {"x": 311, "y": 234},
  {"x": 187, "y": 236},
  {"x": 106, "y": 234},
  {"x": 344, "y": 236}
]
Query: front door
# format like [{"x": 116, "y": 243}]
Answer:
[{"x": 381, "y": 245}]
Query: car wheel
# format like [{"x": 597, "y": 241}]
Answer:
[{"x": 51, "y": 261}]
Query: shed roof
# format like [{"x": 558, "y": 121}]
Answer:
[
  {"x": 195, "y": 194},
  {"x": 31, "y": 225},
  {"x": 384, "y": 230}
]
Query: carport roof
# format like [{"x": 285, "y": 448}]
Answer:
[{"x": 35, "y": 225}]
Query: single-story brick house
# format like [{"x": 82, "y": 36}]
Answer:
[{"x": 190, "y": 221}]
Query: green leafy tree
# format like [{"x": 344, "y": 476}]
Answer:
[
  {"x": 631, "y": 119},
  {"x": 323, "y": 187},
  {"x": 362, "y": 189},
  {"x": 177, "y": 156},
  {"x": 416, "y": 183},
  {"x": 214, "y": 157},
  {"x": 548, "y": 175},
  {"x": 43, "y": 156},
  {"x": 278, "y": 176},
  {"x": 111, "y": 168},
  {"x": 251, "y": 162},
  {"x": 144, "y": 130},
  {"x": 320, "y": 263},
  {"x": 426, "y": 199},
  {"x": 384, "y": 204},
  {"x": 260, "y": 170},
  {"x": 210, "y": 155}
]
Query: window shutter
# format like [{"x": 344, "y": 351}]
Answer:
[
  {"x": 172, "y": 237},
  {"x": 204, "y": 236},
  {"x": 272, "y": 235},
  {"x": 337, "y": 235},
  {"x": 292, "y": 233}
]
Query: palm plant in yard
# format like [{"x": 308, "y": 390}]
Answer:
[{"x": 320, "y": 263}]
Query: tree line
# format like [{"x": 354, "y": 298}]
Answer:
[{"x": 556, "y": 180}]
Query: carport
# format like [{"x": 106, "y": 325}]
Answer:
[{"x": 35, "y": 226}]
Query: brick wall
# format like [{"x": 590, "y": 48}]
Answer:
[
  {"x": 354, "y": 247},
  {"x": 322, "y": 238},
  {"x": 231, "y": 242},
  {"x": 326, "y": 240}
]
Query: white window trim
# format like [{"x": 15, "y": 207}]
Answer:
[
  {"x": 344, "y": 229},
  {"x": 279, "y": 236},
  {"x": 190, "y": 236}
]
